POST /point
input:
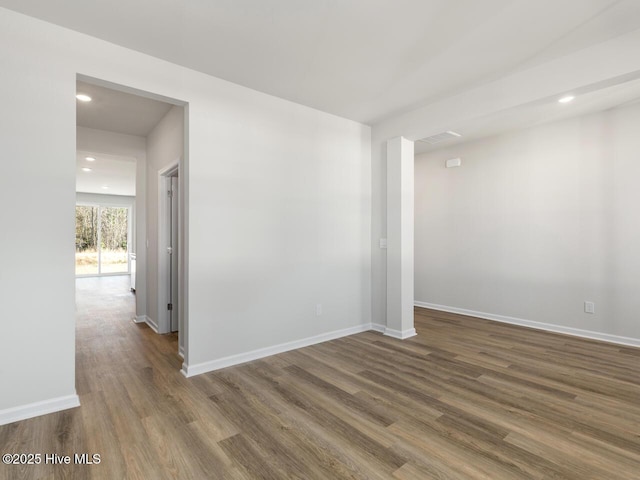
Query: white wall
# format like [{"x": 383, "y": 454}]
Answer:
[
  {"x": 400, "y": 238},
  {"x": 279, "y": 199},
  {"x": 165, "y": 147},
  {"x": 112, "y": 143},
  {"x": 279, "y": 222},
  {"x": 584, "y": 70},
  {"x": 104, "y": 199},
  {"x": 534, "y": 223},
  {"x": 37, "y": 276}
]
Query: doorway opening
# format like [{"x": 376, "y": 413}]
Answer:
[{"x": 125, "y": 139}]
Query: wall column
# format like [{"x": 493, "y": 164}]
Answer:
[{"x": 400, "y": 206}]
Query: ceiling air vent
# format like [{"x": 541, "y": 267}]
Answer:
[{"x": 440, "y": 137}]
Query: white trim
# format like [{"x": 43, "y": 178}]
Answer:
[
  {"x": 164, "y": 184},
  {"x": 400, "y": 334},
  {"x": 152, "y": 323},
  {"x": 36, "y": 409},
  {"x": 148, "y": 320},
  {"x": 95, "y": 275},
  {"x": 181, "y": 351},
  {"x": 107, "y": 200},
  {"x": 199, "y": 368},
  {"x": 378, "y": 327},
  {"x": 576, "y": 332},
  {"x": 162, "y": 261}
]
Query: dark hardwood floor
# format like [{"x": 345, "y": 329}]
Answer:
[{"x": 465, "y": 399}]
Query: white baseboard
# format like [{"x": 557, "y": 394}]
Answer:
[
  {"x": 181, "y": 351},
  {"x": 148, "y": 320},
  {"x": 36, "y": 409},
  {"x": 199, "y": 368},
  {"x": 400, "y": 334},
  {"x": 378, "y": 327},
  {"x": 152, "y": 323},
  {"x": 576, "y": 332}
]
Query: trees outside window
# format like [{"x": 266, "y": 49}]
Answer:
[{"x": 101, "y": 240}]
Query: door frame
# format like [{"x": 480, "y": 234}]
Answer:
[
  {"x": 142, "y": 222},
  {"x": 164, "y": 185}
]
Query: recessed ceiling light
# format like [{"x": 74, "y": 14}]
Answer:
[
  {"x": 105, "y": 187},
  {"x": 90, "y": 159},
  {"x": 86, "y": 169},
  {"x": 83, "y": 98},
  {"x": 566, "y": 99}
]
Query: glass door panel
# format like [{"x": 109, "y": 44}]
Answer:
[
  {"x": 87, "y": 257},
  {"x": 113, "y": 240}
]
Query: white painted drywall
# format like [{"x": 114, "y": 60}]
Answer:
[
  {"x": 614, "y": 58},
  {"x": 400, "y": 226},
  {"x": 536, "y": 222},
  {"x": 165, "y": 147},
  {"x": 279, "y": 198},
  {"x": 37, "y": 125},
  {"x": 108, "y": 200},
  {"x": 279, "y": 222},
  {"x": 111, "y": 143}
]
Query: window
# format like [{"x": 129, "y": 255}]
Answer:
[{"x": 102, "y": 240}]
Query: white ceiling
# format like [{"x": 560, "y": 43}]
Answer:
[
  {"x": 592, "y": 99},
  {"x": 361, "y": 59},
  {"x": 117, "y": 111},
  {"x": 117, "y": 173}
]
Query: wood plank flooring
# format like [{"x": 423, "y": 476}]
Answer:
[{"x": 465, "y": 399}]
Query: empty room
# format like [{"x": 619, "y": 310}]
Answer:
[{"x": 317, "y": 240}]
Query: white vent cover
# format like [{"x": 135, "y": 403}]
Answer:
[
  {"x": 453, "y": 162},
  {"x": 440, "y": 137}
]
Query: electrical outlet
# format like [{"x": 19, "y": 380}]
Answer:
[
  {"x": 318, "y": 309},
  {"x": 589, "y": 307}
]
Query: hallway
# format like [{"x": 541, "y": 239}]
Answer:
[{"x": 105, "y": 307}]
